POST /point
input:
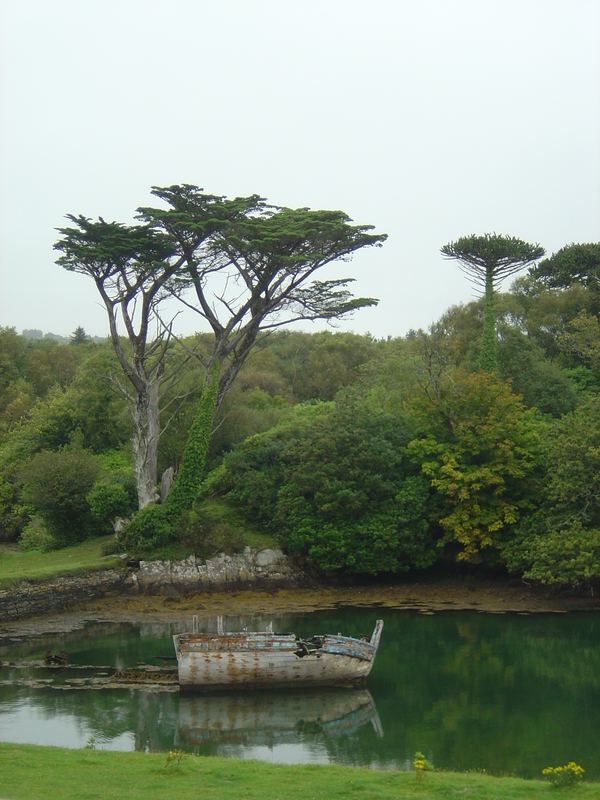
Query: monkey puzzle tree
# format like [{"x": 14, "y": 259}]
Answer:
[{"x": 487, "y": 260}]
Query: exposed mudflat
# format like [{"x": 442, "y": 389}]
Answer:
[{"x": 427, "y": 596}]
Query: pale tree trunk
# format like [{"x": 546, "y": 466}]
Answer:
[{"x": 145, "y": 420}]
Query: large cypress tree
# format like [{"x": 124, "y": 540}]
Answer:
[{"x": 243, "y": 265}]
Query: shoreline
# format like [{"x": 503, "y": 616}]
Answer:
[{"x": 426, "y": 595}]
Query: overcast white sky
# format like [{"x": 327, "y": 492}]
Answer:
[{"x": 429, "y": 119}]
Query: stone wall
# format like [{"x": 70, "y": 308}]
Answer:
[
  {"x": 27, "y": 599},
  {"x": 262, "y": 568},
  {"x": 250, "y": 568}
]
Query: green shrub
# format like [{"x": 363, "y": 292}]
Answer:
[
  {"x": 35, "y": 536},
  {"x": 150, "y": 529},
  {"x": 109, "y": 500},
  {"x": 254, "y": 475},
  {"x": 373, "y": 543},
  {"x": 566, "y": 556},
  {"x": 115, "y": 462},
  {"x": 348, "y": 499},
  {"x": 207, "y": 536},
  {"x": 56, "y": 484},
  {"x": 13, "y": 514},
  {"x": 336, "y": 483}
]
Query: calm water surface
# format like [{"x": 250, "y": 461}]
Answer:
[{"x": 504, "y": 693}]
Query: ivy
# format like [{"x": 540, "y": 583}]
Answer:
[
  {"x": 187, "y": 484},
  {"x": 488, "y": 355}
]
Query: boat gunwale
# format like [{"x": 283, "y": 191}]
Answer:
[{"x": 267, "y": 640}]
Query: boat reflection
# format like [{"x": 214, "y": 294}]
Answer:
[{"x": 261, "y": 718}]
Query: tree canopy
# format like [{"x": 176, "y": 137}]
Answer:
[
  {"x": 242, "y": 265},
  {"x": 573, "y": 263},
  {"x": 256, "y": 270},
  {"x": 491, "y": 254}
]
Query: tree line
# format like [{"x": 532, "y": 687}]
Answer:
[{"x": 472, "y": 441}]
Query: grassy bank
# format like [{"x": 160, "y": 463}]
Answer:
[
  {"x": 16, "y": 565},
  {"x": 87, "y": 556},
  {"x": 28, "y": 772}
]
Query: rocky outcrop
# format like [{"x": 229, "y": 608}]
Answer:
[{"x": 250, "y": 568}]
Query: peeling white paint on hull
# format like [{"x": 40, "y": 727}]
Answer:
[{"x": 264, "y": 660}]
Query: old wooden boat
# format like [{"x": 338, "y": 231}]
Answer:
[{"x": 267, "y": 660}]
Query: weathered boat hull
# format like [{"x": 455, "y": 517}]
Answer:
[
  {"x": 208, "y": 662},
  {"x": 233, "y": 670}
]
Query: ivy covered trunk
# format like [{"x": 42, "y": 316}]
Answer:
[
  {"x": 145, "y": 418},
  {"x": 488, "y": 355},
  {"x": 188, "y": 480}
]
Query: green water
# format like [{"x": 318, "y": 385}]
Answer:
[{"x": 505, "y": 693}]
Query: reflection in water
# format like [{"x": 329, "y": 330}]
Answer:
[
  {"x": 288, "y": 753},
  {"x": 508, "y": 694},
  {"x": 31, "y": 724},
  {"x": 157, "y": 720},
  {"x": 261, "y": 718}
]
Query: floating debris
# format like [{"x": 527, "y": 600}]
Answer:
[{"x": 56, "y": 659}]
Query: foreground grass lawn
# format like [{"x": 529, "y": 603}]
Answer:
[
  {"x": 16, "y": 565},
  {"x": 28, "y": 772}
]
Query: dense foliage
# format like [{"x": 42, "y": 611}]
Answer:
[
  {"x": 336, "y": 483},
  {"x": 360, "y": 456},
  {"x": 479, "y": 454},
  {"x": 56, "y": 483}
]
